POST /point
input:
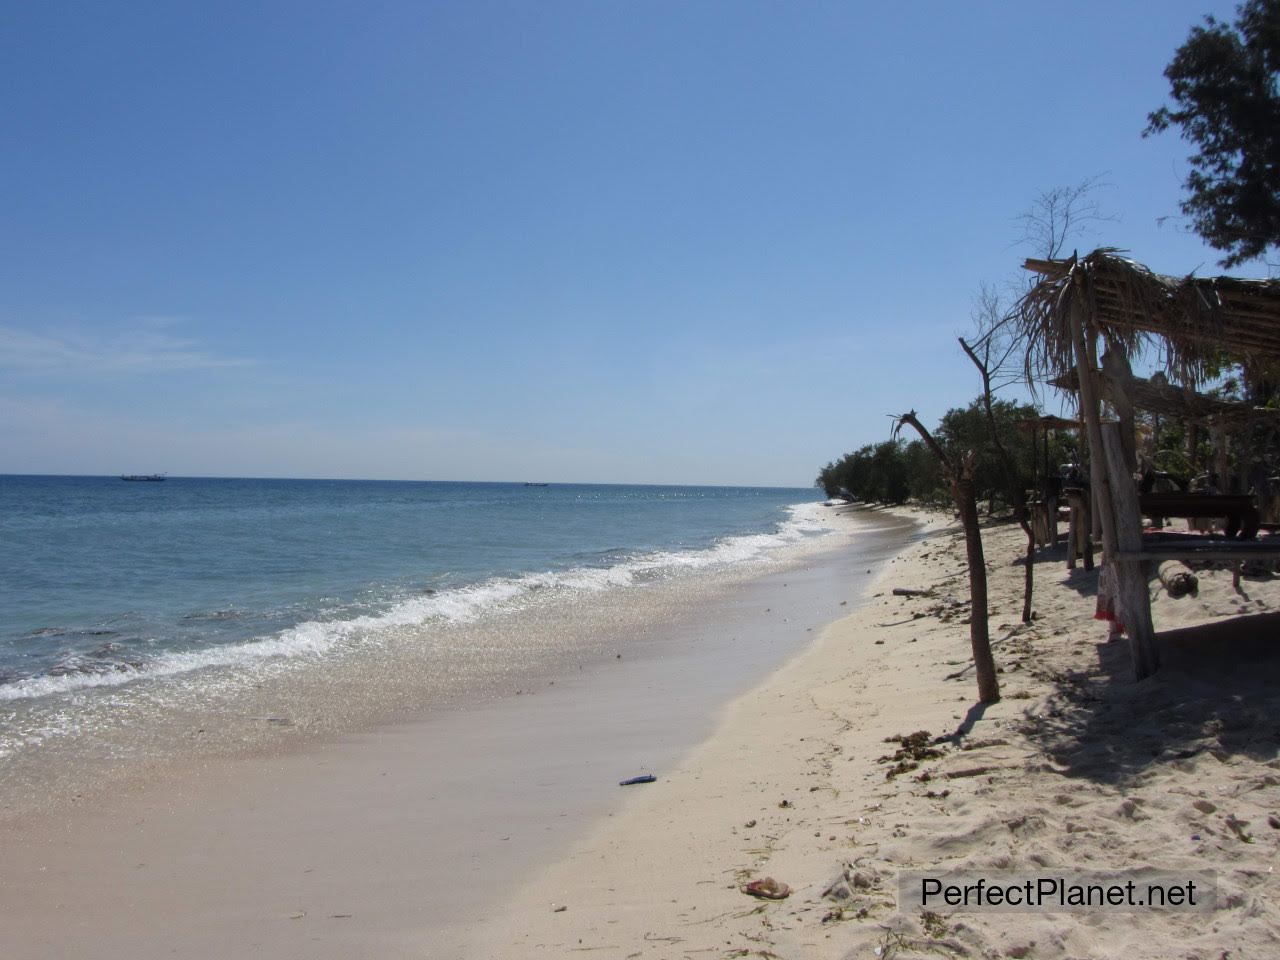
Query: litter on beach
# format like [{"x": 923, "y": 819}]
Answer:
[{"x": 767, "y": 889}]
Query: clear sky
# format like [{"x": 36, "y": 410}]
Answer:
[{"x": 695, "y": 242}]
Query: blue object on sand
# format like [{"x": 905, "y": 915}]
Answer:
[{"x": 647, "y": 778}]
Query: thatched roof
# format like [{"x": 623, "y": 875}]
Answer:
[
  {"x": 1047, "y": 422},
  {"x": 1196, "y": 319},
  {"x": 1181, "y": 402}
]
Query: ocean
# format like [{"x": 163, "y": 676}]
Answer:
[
  {"x": 124, "y": 602},
  {"x": 304, "y": 717}
]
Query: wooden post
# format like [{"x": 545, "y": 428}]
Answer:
[
  {"x": 1085, "y": 342},
  {"x": 1086, "y": 534},
  {"x": 1221, "y": 463},
  {"x": 1036, "y": 485},
  {"x": 1134, "y": 600},
  {"x": 1117, "y": 377},
  {"x": 1078, "y": 543},
  {"x": 1089, "y": 400},
  {"x": 1073, "y": 530},
  {"x": 1244, "y": 457},
  {"x": 1047, "y": 474}
]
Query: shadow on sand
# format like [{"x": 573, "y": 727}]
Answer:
[{"x": 1216, "y": 696}]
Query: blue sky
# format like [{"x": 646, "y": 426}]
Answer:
[{"x": 592, "y": 241}]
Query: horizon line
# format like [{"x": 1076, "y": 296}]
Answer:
[{"x": 561, "y": 483}]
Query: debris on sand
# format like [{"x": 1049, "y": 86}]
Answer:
[{"x": 767, "y": 888}]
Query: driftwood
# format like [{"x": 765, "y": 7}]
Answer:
[
  {"x": 908, "y": 592},
  {"x": 1178, "y": 580}
]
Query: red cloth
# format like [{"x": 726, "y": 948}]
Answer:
[{"x": 1108, "y": 607}]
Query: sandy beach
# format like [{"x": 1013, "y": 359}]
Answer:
[
  {"x": 1077, "y": 767},
  {"x": 327, "y": 835},
  {"x": 465, "y": 836}
]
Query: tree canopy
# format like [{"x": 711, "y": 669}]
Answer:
[
  {"x": 894, "y": 471},
  {"x": 1223, "y": 84}
]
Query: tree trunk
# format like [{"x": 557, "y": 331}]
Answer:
[
  {"x": 1029, "y": 574},
  {"x": 979, "y": 636},
  {"x": 1017, "y": 496},
  {"x": 960, "y": 479}
]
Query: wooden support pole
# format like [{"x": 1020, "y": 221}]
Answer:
[
  {"x": 1038, "y": 482},
  {"x": 1073, "y": 530},
  {"x": 1089, "y": 403},
  {"x": 1117, "y": 379},
  {"x": 1086, "y": 535},
  {"x": 1078, "y": 532},
  {"x": 1221, "y": 463},
  {"x": 1134, "y": 599},
  {"x": 1047, "y": 473},
  {"x": 1085, "y": 344}
]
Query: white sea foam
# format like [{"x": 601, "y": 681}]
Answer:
[{"x": 494, "y": 597}]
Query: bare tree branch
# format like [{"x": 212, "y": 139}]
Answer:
[{"x": 1063, "y": 214}]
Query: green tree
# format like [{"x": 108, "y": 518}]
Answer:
[
  {"x": 1223, "y": 84},
  {"x": 924, "y": 474},
  {"x": 891, "y": 472},
  {"x": 966, "y": 429}
]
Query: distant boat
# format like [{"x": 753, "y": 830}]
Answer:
[
  {"x": 537, "y": 484},
  {"x": 148, "y": 477}
]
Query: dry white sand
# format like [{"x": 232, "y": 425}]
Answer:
[{"x": 1077, "y": 767}]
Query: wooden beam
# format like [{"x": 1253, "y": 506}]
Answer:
[{"x": 1240, "y": 551}]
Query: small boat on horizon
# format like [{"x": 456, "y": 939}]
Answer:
[
  {"x": 528, "y": 484},
  {"x": 146, "y": 477}
]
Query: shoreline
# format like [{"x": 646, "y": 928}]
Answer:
[
  {"x": 396, "y": 666},
  {"x": 407, "y": 831},
  {"x": 1077, "y": 767}
]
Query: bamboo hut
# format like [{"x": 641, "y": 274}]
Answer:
[{"x": 1091, "y": 316}]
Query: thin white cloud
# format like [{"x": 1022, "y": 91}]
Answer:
[{"x": 143, "y": 347}]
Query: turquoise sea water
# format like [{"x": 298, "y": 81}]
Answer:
[{"x": 105, "y": 582}]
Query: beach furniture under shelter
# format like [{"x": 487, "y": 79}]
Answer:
[
  {"x": 1048, "y": 489},
  {"x": 1084, "y": 321},
  {"x": 1221, "y": 420}
]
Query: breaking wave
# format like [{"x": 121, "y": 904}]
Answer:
[{"x": 495, "y": 597}]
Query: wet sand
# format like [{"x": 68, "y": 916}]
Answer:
[{"x": 403, "y": 840}]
